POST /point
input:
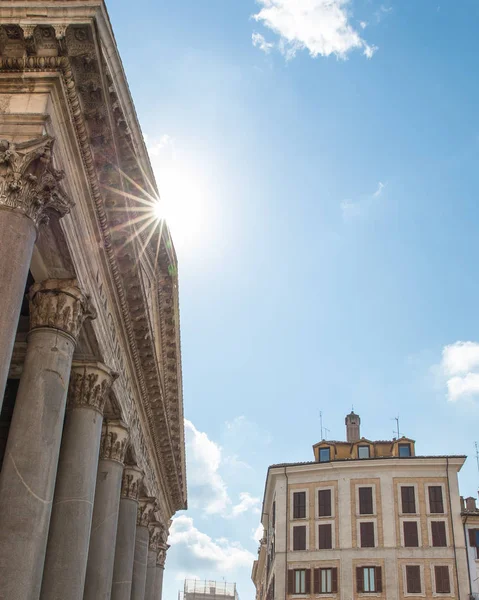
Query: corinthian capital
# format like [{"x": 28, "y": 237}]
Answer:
[
  {"x": 114, "y": 441},
  {"x": 130, "y": 484},
  {"x": 161, "y": 555},
  {"x": 60, "y": 304},
  {"x": 29, "y": 183},
  {"x": 89, "y": 385},
  {"x": 146, "y": 506}
]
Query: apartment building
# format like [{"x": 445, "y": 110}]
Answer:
[
  {"x": 365, "y": 519},
  {"x": 470, "y": 519}
]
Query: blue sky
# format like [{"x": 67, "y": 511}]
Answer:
[{"x": 320, "y": 175}]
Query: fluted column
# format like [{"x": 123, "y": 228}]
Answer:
[
  {"x": 27, "y": 481},
  {"x": 145, "y": 510},
  {"x": 160, "y": 570},
  {"x": 157, "y": 535},
  {"x": 125, "y": 537},
  {"x": 101, "y": 555},
  {"x": 69, "y": 535},
  {"x": 28, "y": 186}
]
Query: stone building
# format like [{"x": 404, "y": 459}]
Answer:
[
  {"x": 470, "y": 518},
  {"x": 366, "y": 519},
  {"x": 91, "y": 430}
]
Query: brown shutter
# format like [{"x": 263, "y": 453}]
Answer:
[
  {"x": 413, "y": 579},
  {"x": 299, "y": 537},
  {"x": 308, "y": 581},
  {"x": 290, "y": 581},
  {"x": 299, "y": 505},
  {"x": 411, "y": 539},
  {"x": 324, "y": 503},
  {"x": 325, "y": 539},
  {"x": 366, "y": 501},
  {"x": 316, "y": 588},
  {"x": 378, "y": 576},
  {"x": 435, "y": 499},
  {"x": 443, "y": 585},
  {"x": 367, "y": 535},
  {"x": 334, "y": 581},
  {"x": 438, "y": 530},
  {"x": 472, "y": 537},
  {"x": 359, "y": 579},
  {"x": 408, "y": 499}
]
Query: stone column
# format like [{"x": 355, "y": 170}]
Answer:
[
  {"x": 69, "y": 535},
  {"x": 160, "y": 570},
  {"x": 27, "y": 481},
  {"x": 145, "y": 510},
  {"x": 28, "y": 186},
  {"x": 156, "y": 539},
  {"x": 101, "y": 555},
  {"x": 125, "y": 537}
]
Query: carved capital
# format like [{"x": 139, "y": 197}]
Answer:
[
  {"x": 89, "y": 385},
  {"x": 60, "y": 304},
  {"x": 29, "y": 183},
  {"x": 146, "y": 507},
  {"x": 130, "y": 484},
  {"x": 114, "y": 440},
  {"x": 161, "y": 555},
  {"x": 155, "y": 529}
]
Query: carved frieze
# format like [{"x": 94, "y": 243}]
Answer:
[
  {"x": 89, "y": 385},
  {"x": 146, "y": 508},
  {"x": 130, "y": 484},
  {"x": 29, "y": 183},
  {"x": 114, "y": 440},
  {"x": 59, "y": 303}
]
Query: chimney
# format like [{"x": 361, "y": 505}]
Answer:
[
  {"x": 471, "y": 504},
  {"x": 352, "y": 427},
  {"x": 463, "y": 504}
]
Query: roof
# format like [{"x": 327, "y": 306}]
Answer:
[
  {"x": 363, "y": 439},
  {"x": 315, "y": 462}
]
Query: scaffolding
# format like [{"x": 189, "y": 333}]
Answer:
[{"x": 197, "y": 589}]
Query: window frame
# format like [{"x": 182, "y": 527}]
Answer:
[
  {"x": 371, "y": 486},
  {"x": 377, "y": 580},
  {"x": 306, "y": 533},
  {"x": 294, "y": 524},
  {"x": 317, "y": 588},
  {"x": 364, "y": 447},
  {"x": 304, "y": 491},
  {"x": 324, "y": 449},
  {"x": 332, "y": 497},
  {"x": 375, "y": 533},
  {"x": 421, "y": 580},
  {"x": 434, "y": 580},
  {"x": 401, "y": 503},
  {"x": 444, "y": 505},
  {"x": 295, "y": 592},
  {"x": 331, "y": 527},
  {"x": 405, "y": 445},
  {"x": 403, "y": 532},
  {"x": 446, "y": 533}
]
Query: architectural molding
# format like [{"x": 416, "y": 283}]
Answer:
[
  {"x": 114, "y": 440},
  {"x": 146, "y": 508},
  {"x": 130, "y": 484},
  {"x": 90, "y": 383}
]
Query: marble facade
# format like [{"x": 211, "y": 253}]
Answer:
[{"x": 92, "y": 460}]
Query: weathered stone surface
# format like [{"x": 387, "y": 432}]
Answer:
[
  {"x": 140, "y": 564},
  {"x": 150, "y": 587},
  {"x": 124, "y": 550}
]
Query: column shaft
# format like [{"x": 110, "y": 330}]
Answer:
[
  {"x": 69, "y": 535},
  {"x": 17, "y": 238},
  {"x": 27, "y": 479},
  {"x": 150, "y": 587},
  {"x": 101, "y": 554},
  {"x": 160, "y": 571},
  {"x": 140, "y": 564}
]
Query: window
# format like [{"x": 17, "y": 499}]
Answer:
[
  {"x": 438, "y": 533},
  {"x": 404, "y": 450},
  {"x": 436, "y": 505},
  {"x": 299, "y": 581},
  {"x": 324, "y": 503},
  {"x": 411, "y": 539},
  {"x": 324, "y": 455},
  {"x": 274, "y": 514},
  {"x": 369, "y": 579},
  {"x": 367, "y": 535},
  {"x": 443, "y": 585},
  {"x": 363, "y": 451},
  {"x": 474, "y": 540},
  {"x": 365, "y": 501},
  {"x": 413, "y": 579},
  {"x": 325, "y": 538},
  {"x": 299, "y": 505},
  {"x": 325, "y": 581},
  {"x": 299, "y": 537},
  {"x": 408, "y": 499}
]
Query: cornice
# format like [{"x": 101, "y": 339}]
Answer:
[{"x": 96, "y": 117}]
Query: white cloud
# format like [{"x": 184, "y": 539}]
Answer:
[
  {"x": 460, "y": 370},
  {"x": 247, "y": 502},
  {"x": 219, "y": 554},
  {"x": 351, "y": 209},
  {"x": 379, "y": 189},
  {"x": 363, "y": 24},
  {"x": 208, "y": 490},
  {"x": 258, "y": 533},
  {"x": 320, "y": 26},
  {"x": 261, "y": 43}
]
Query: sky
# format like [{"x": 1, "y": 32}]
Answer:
[{"x": 318, "y": 165}]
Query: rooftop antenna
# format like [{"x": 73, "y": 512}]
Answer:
[
  {"x": 327, "y": 432},
  {"x": 397, "y": 432},
  {"x": 321, "y": 423},
  {"x": 477, "y": 455}
]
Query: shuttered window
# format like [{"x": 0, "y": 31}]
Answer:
[
  {"x": 438, "y": 533},
  {"x": 413, "y": 579},
  {"x": 299, "y": 505},
  {"x": 325, "y": 538},
  {"x": 299, "y": 581},
  {"x": 324, "y": 503},
  {"x": 365, "y": 500},
  {"x": 299, "y": 537},
  {"x": 436, "y": 504},
  {"x": 325, "y": 581},
  {"x": 369, "y": 579},
  {"x": 367, "y": 535},
  {"x": 411, "y": 539},
  {"x": 408, "y": 499},
  {"x": 274, "y": 514},
  {"x": 443, "y": 585}
]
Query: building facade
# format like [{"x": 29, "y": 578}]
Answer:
[
  {"x": 366, "y": 519},
  {"x": 470, "y": 519},
  {"x": 92, "y": 461},
  {"x": 199, "y": 589}
]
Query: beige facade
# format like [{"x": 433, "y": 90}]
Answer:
[
  {"x": 383, "y": 526},
  {"x": 92, "y": 461}
]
